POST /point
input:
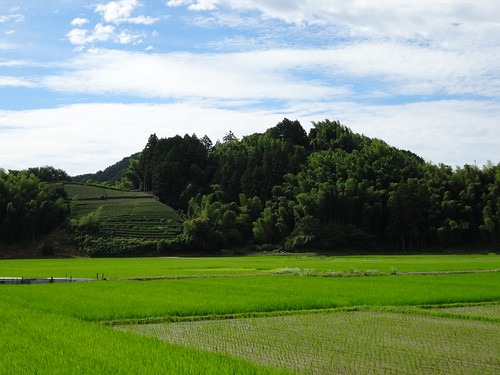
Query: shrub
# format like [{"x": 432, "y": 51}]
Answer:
[{"x": 94, "y": 246}]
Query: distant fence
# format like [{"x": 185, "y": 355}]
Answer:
[{"x": 42, "y": 280}]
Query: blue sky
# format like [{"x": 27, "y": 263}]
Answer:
[{"x": 83, "y": 83}]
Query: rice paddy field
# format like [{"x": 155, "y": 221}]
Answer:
[{"x": 428, "y": 314}]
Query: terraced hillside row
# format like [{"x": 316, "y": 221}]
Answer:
[
  {"x": 90, "y": 192},
  {"x": 124, "y": 213}
]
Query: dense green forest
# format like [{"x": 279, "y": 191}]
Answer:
[{"x": 330, "y": 189}]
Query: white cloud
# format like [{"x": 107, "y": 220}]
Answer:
[
  {"x": 452, "y": 132},
  {"x": 204, "y": 5},
  {"x": 120, "y": 12},
  {"x": 141, "y": 20},
  {"x": 101, "y": 33},
  {"x": 115, "y": 11},
  {"x": 78, "y": 36},
  {"x": 79, "y": 21}
]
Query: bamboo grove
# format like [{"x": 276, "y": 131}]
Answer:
[{"x": 29, "y": 205}]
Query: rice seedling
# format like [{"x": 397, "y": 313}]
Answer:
[
  {"x": 361, "y": 342},
  {"x": 481, "y": 310}
]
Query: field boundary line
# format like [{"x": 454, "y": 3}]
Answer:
[
  {"x": 430, "y": 310},
  {"x": 304, "y": 273}
]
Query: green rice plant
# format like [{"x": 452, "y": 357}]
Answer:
[
  {"x": 249, "y": 265},
  {"x": 121, "y": 300},
  {"x": 39, "y": 343},
  {"x": 359, "y": 342}
]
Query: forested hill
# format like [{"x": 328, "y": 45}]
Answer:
[{"x": 329, "y": 189}]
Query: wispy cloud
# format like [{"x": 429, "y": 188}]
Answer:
[
  {"x": 235, "y": 76},
  {"x": 6, "y": 81},
  {"x": 11, "y": 18},
  {"x": 6, "y": 46},
  {"x": 459, "y": 23},
  {"x": 387, "y": 69}
]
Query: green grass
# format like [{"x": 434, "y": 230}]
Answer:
[
  {"x": 117, "y": 300},
  {"x": 359, "y": 342},
  {"x": 247, "y": 265}
]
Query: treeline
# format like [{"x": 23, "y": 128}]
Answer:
[
  {"x": 29, "y": 205},
  {"x": 111, "y": 175},
  {"x": 326, "y": 190}
]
